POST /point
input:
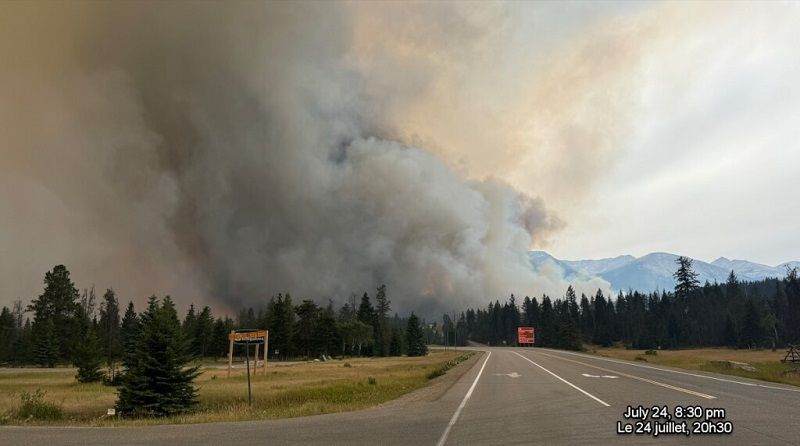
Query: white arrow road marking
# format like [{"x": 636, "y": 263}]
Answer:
[
  {"x": 598, "y": 376},
  {"x": 679, "y": 389},
  {"x": 510, "y": 375}
]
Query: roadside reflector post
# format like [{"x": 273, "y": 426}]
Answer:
[
  {"x": 230, "y": 353},
  {"x": 247, "y": 364},
  {"x": 255, "y": 361},
  {"x": 266, "y": 350}
]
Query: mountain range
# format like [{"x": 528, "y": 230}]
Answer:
[{"x": 654, "y": 271}]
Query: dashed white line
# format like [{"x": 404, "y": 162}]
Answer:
[
  {"x": 788, "y": 389},
  {"x": 657, "y": 383},
  {"x": 566, "y": 382},
  {"x": 463, "y": 403}
]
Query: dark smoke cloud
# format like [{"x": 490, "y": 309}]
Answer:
[{"x": 223, "y": 153}]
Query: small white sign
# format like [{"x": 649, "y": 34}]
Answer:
[{"x": 112, "y": 412}]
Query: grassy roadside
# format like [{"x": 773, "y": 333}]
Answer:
[
  {"x": 767, "y": 364},
  {"x": 301, "y": 389}
]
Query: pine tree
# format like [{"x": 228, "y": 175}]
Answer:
[
  {"x": 189, "y": 328},
  {"x": 88, "y": 357},
  {"x": 22, "y": 348},
  {"x": 366, "y": 315},
  {"x": 8, "y": 333},
  {"x": 685, "y": 278},
  {"x": 203, "y": 333},
  {"x": 54, "y": 317},
  {"x": 328, "y": 331},
  {"x": 45, "y": 344},
  {"x": 547, "y": 335},
  {"x": 305, "y": 329},
  {"x": 219, "y": 344},
  {"x": 569, "y": 338},
  {"x": 792, "y": 290},
  {"x": 129, "y": 329},
  {"x": 281, "y": 326},
  {"x": 109, "y": 331},
  {"x": 415, "y": 338},
  {"x": 157, "y": 381},
  {"x": 380, "y": 325}
]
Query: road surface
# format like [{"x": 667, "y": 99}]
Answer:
[{"x": 509, "y": 396}]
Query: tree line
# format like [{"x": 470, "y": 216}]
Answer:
[
  {"x": 734, "y": 314},
  {"x": 64, "y": 326}
]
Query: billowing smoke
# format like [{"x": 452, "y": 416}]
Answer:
[{"x": 224, "y": 153}]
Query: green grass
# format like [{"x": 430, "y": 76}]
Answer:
[{"x": 300, "y": 389}]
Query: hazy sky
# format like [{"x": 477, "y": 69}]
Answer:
[
  {"x": 224, "y": 153},
  {"x": 643, "y": 126},
  {"x": 709, "y": 166}
]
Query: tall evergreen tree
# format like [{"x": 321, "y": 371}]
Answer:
[
  {"x": 380, "y": 323},
  {"x": 792, "y": 290},
  {"x": 547, "y": 335},
  {"x": 222, "y": 327},
  {"x": 157, "y": 380},
  {"x": 305, "y": 329},
  {"x": 685, "y": 278},
  {"x": 88, "y": 353},
  {"x": 328, "y": 332},
  {"x": 203, "y": 333},
  {"x": 54, "y": 319},
  {"x": 8, "y": 334},
  {"x": 281, "y": 327},
  {"x": 129, "y": 328},
  {"x": 752, "y": 328},
  {"x": 415, "y": 338},
  {"x": 109, "y": 331},
  {"x": 189, "y": 327},
  {"x": 366, "y": 315}
]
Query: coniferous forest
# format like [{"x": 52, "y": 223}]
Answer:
[
  {"x": 731, "y": 314},
  {"x": 67, "y": 326}
]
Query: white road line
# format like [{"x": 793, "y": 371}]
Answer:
[
  {"x": 681, "y": 373},
  {"x": 566, "y": 382},
  {"x": 668, "y": 386},
  {"x": 463, "y": 403}
]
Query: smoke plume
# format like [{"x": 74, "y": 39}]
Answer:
[{"x": 224, "y": 153}]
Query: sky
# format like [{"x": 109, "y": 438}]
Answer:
[
  {"x": 225, "y": 154},
  {"x": 645, "y": 127}
]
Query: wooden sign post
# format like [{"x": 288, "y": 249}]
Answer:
[{"x": 247, "y": 337}]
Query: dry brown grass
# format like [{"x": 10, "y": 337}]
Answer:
[
  {"x": 767, "y": 363},
  {"x": 300, "y": 389}
]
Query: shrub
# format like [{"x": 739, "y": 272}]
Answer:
[
  {"x": 347, "y": 364},
  {"x": 372, "y": 380},
  {"x": 442, "y": 369},
  {"x": 651, "y": 352},
  {"x": 33, "y": 406}
]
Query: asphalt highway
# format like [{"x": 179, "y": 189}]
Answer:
[{"x": 512, "y": 396}]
